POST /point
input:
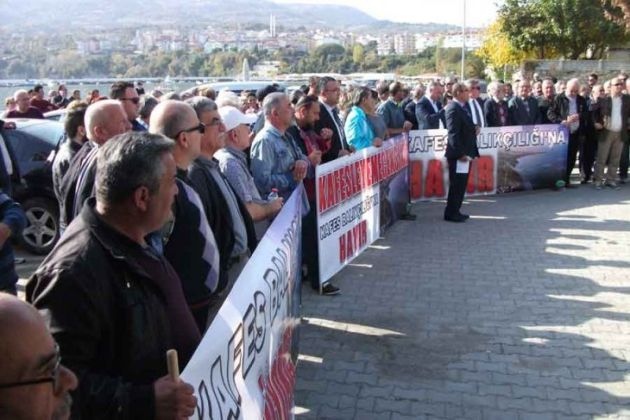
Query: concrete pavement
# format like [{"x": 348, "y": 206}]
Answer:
[{"x": 523, "y": 312}]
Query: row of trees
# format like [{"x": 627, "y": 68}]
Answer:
[
  {"x": 543, "y": 29},
  {"x": 37, "y": 62}
]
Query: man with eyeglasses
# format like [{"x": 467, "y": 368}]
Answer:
[
  {"x": 126, "y": 93},
  {"x": 113, "y": 304},
  {"x": 189, "y": 244},
  {"x": 226, "y": 214},
  {"x": 33, "y": 382},
  {"x": 614, "y": 112},
  {"x": 523, "y": 109}
]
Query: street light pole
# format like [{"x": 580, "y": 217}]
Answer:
[{"x": 464, "y": 42}]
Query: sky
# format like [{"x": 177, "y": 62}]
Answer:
[{"x": 478, "y": 12}]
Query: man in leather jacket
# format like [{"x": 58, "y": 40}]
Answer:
[{"x": 113, "y": 304}]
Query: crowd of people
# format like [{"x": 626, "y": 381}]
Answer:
[{"x": 164, "y": 197}]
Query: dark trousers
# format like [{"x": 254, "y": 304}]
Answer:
[
  {"x": 588, "y": 151},
  {"x": 623, "y": 162},
  {"x": 310, "y": 252},
  {"x": 456, "y": 189},
  {"x": 572, "y": 151}
]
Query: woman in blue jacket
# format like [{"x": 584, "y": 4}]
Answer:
[{"x": 358, "y": 130}]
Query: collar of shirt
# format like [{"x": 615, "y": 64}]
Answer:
[
  {"x": 462, "y": 104},
  {"x": 272, "y": 129},
  {"x": 239, "y": 154},
  {"x": 328, "y": 107}
]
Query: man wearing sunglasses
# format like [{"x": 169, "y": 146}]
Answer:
[
  {"x": 126, "y": 93},
  {"x": 190, "y": 246},
  {"x": 33, "y": 382}
]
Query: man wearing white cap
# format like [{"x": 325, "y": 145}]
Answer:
[{"x": 233, "y": 164}]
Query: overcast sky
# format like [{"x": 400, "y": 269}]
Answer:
[{"x": 478, "y": 12}]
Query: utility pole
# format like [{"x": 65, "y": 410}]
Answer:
[{"x": 464, "y": 42}]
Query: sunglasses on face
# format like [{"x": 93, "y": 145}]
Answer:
[{"x": 201, "y": 128}]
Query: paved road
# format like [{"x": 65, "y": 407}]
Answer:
[{"x": 522, "y": 312}]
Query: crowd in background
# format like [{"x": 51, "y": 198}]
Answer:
[{"x": 163, "y": 197}]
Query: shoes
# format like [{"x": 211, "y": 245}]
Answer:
[
  {"x": 613, "y": 185},
  {"x": 465, "y": 216},
  {"x": 584, "y": 181},
  {"x": 622, "y": 180},
  {"x": 599, "y": 186},
  {"x": 569, "y": 185},
  {"x": 458, "y": 218},
  {"x": 330, "y": 290}
]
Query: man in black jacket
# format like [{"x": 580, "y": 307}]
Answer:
[
  {"x": 115, "y": 306},
  {"x": 329, "y": 93},
  {"x": 523, "y": 108},
  {"x": 460, "y": 151},
  {"x": 227, "y": 216},
  {"x": 569, "y": 109}
]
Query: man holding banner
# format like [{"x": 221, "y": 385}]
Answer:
[{"x": 460, "y": 151}]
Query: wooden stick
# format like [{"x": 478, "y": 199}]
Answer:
[{"x": 173, "y": 364}]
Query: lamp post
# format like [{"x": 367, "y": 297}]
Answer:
[{"x": 464, "y": 42}]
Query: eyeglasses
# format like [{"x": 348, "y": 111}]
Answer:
[
  {"x": 201, "y": 128},
  {"x": 134, "y": 100},
  {"x": 618, "y": 84},
  {"x": 475, "y": 88},
  {"x": 53, "y": 378},
  {"x": 215, "y": 122}
]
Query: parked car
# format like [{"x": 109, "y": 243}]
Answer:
[{"x": 34, "y": 144}]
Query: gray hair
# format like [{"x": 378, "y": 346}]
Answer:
[
  {"x": 272, "y": 101},
  {"x": 433, "y": 84},
  {"x": 471, "y": 82},
  {"x": 128, "y": 161},
  {"x": 493, "y": 87},
  {"x": 201, "y": 104}
]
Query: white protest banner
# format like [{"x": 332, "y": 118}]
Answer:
[
  {"x": 512, "y": 158},
  {"x": 244, "y": 367},
  {"x": 350, "y": 199}
]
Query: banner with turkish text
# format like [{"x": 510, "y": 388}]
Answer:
[
  {"x": 357, "y": 196},
  {"x": 512, "y": 159},
  {"x": 245, "y": 364}
]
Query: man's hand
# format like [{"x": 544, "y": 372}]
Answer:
[
  {"x": 598, "y": 126},
  {"x": 315, "y": 157},
  {"x": 5, "y": 233},
  {"x": 464, "y": 158},
  {"x": 9, "y": 125},
  {"x": 326, "y": 133},
  {"x": 299, "y": 170},
  {"x": 344, "y": 152},
  {"x": 275, "y": 206},
  {"x": 377, "y": 142},
  {"x": 173, "y": 400},
  {"x": 407, "y": 126},
  {"x": 477, "y": 130}
]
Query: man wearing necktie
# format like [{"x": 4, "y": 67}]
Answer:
[
  {"x": 329, "y": 92},
  {"x": 475, "y": 103},
  {"x": 523, "y": 108},
  {"x": 429, "y": 110},
  {"x": 461, "y": 149},
  {"x": 495, "y": 108}
]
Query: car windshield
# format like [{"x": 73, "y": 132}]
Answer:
[{"x": 51, "y": 133}]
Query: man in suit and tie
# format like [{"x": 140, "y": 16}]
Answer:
[
  {"x": 496, "y": 109},
  {"x": 475, "y": 103},
  {"x": 429, "y": 111},
  {"x": 523, "y": 109},
  {"x": 460, "y": 151},
  {"x": 329, "y": 93}
]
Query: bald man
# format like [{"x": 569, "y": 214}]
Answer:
[
  {"x": 190, "y": 247},
  {"x": 33, "y": 385},
  {"x": 103, "y": 120}
]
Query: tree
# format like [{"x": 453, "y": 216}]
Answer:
[
  {"x": 623, "y": 17},
  {"x": 358, "y": 53},
  {"x": 497, "y": 51},
  {"x": 567, "y": 27}
]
